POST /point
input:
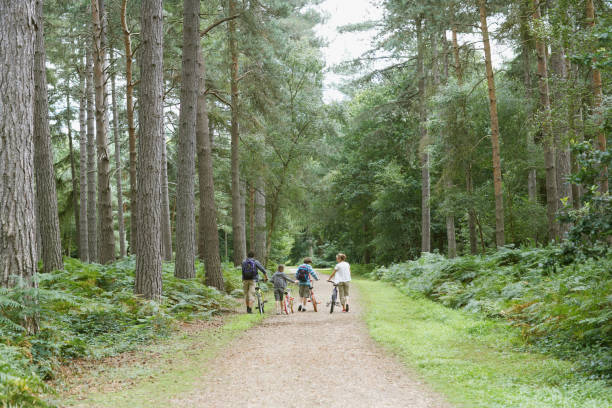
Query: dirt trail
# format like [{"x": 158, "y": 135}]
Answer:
[{"x": 309, "y": 360}]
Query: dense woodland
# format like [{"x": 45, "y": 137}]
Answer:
[{"x": 153, "y": 136}]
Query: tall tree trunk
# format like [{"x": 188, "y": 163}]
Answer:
[
  {"x": 83, "y": 230},
  {"x": 166, "y": 227},
  {"x": 46, "y": 196},
  {"x": 129, "y": 102},
  {"x": 185, "y": 215},
  {"x": 148, "y": 254},
  {"x": 260, "y": 220},
  {"x": 238, "y": 231},
  {"x": 561, "y": 130},
  {"x": 463, "y": 130},
  {"x": 251, "y": 245},
  {"x": 106, "y": 244},
  {"x": 18, "y": 26},
  {"x": 73, "y": 176},
  {"x": 549, "y": 149},
  {"x": 119, "y": 167},
  {"x": 497, "y": 176},
  {"x": 525, "y": 8},
  {"x": 92, "y": 172},
  {"x": 598, "y": 102},
  {"x": 243, "y": 194},
  {"x": 208, "y": 232},
  {"x": 424, "y": 144}
]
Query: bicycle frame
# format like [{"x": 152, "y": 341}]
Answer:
[{"x": 260, "y": 298}]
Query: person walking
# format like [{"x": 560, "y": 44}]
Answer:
[
  {"x": 250, "y": 277},
  {"x": 341, "y": 277},
  {"x": 303, "y": 275},
  {"x": 280, "y": 286}
]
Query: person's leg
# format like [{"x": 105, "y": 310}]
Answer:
[
  {"x": 278, "y": 298},
  {"x": 342, "y": 294},
  {"x": 346, "y": 296},
  {"x": 249, "y": 294}
]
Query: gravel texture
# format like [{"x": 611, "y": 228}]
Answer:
[{"x": 309, "y": 359}]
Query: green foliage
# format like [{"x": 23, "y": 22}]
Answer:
[
  {"x": 564, "y": 309},
  {"x": 90, "y": 311},
  {"x": 592, "y": 223}
]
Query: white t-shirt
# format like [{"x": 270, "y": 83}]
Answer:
[{"x": 343, "y": 272}]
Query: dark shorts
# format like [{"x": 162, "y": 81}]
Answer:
[{"x": 278, "y": 294}]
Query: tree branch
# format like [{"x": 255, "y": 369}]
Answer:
[{"x": 216, "y": 23}]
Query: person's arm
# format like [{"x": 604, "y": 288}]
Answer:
[
  {"x": 333, "y": 273},
  {"x": 312, "y": 271},
  {"x": 261, "y": 268},
  {"x": 288, "y": 279}
]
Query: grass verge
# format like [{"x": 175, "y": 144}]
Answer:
[
  {"x": 473, "y": 360},
  {"x": 159, "y": 372}
]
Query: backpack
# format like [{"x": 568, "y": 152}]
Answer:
[
  {"x": 249, "y": 269},
  {"x": 302, "y": 274}
]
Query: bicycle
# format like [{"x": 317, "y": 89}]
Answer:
[
  {"x": 260, "y": 298},
  {"x": 313, "y": 299},
  {"x": 288, "y": 301},
  {"x": 334, "y": 298}
]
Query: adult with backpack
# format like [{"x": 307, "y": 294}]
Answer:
[
  {"x": 303, "y": 274},
  {"x": 250, "y": 277}
]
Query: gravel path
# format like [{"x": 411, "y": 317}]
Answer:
[{"x": 309, "y": 360}]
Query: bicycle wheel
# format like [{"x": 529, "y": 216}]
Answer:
[
  {"x": 314, "y": 301},
  {"x": 333, "y": 301},
  {"x": 260, "y": 303}
]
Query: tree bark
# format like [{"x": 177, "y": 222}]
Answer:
[
  {"x": 165, "y": 206},
  {"x": 148, "y": 280},
  {"x": 73, "y": 177},
  {"x": 106, "y": 243},
  {"x": 561, "y": 139},
  {"x": 83, "y": 230},
  {"x": 185, "y": 215},
  {"x": 238, "y": 231},
  {"x": 468, "y": 171},
  {"x": 251, "y": 245},
  {"x": 424, "y": 143},
  {"x": 92, "y": 172},
  {"x": 497, "y": 176},
  {"x": 526, "y": 57},
  {"x": 129, "y": 102},
  {"x": 598, "y": 102},
  {"x": 549, "y": 149},
  {"x": 18, "y": 26},
  {"x": 119, "y": 167},
  {"x": 260, "y": 220},
  {"x": 46, "y": 195},
  {"x": 208, "y": 232},
  {"x": 243, "y": 194}
]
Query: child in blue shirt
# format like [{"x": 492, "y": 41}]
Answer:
[{"x": 303, "y": 274}]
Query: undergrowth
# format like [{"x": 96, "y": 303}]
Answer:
[
  {"x": 90, "y": 311},
  {"x": 561, "y": 309}
]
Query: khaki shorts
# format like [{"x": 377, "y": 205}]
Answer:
[
  {"x": 249, "y": 290},
  {"x": 304, "y": 291},
  {"x": 343, "y": 289}
]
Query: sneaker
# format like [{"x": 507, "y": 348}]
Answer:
[
  {"x": 249, "y": 310},
  {"x": 347, "y": 308},
  {"x": 299, "y": 308}
]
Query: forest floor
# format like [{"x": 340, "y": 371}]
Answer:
[{"x": 304, "y": 359}]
